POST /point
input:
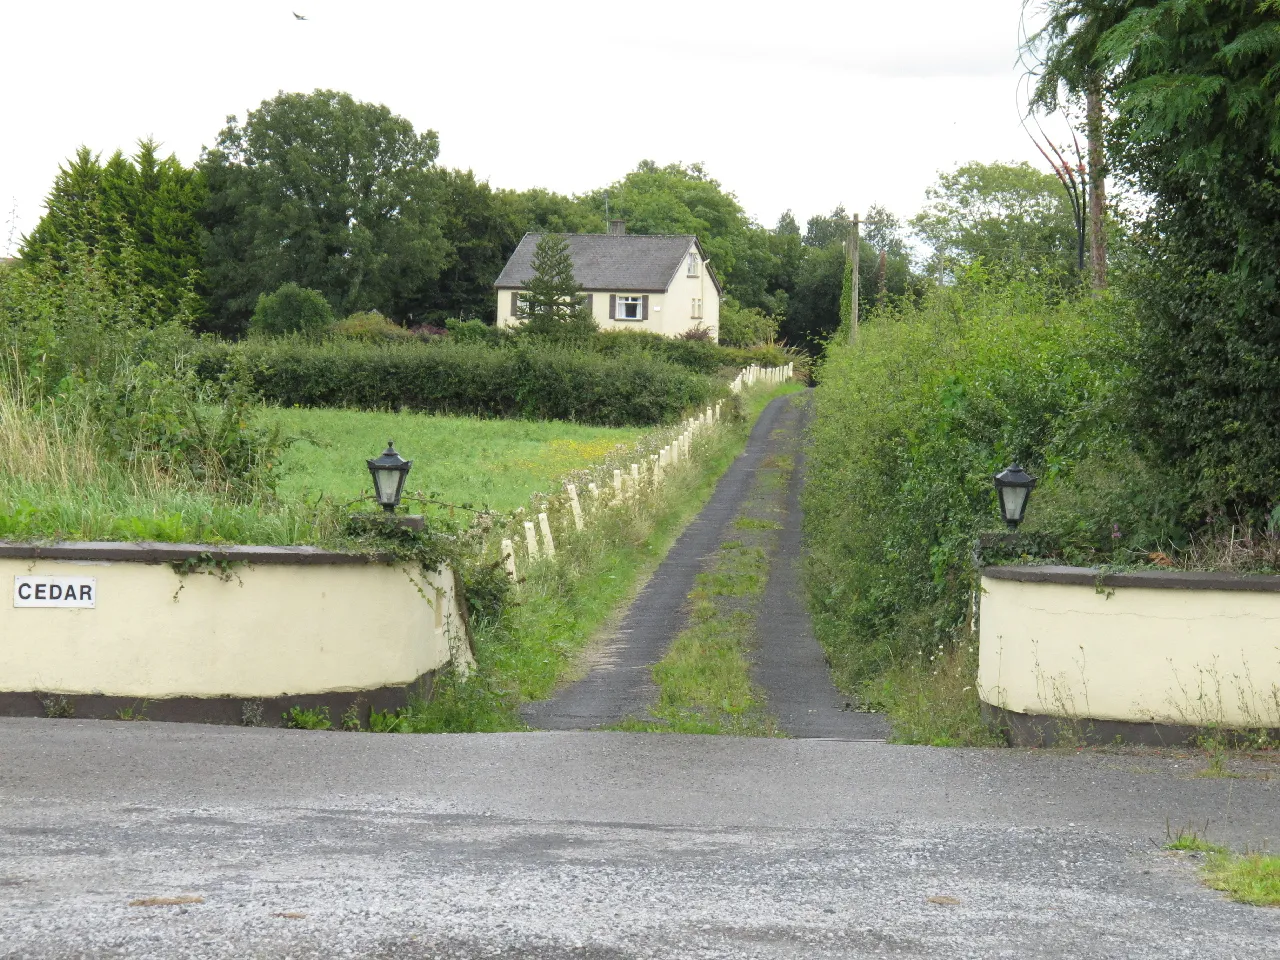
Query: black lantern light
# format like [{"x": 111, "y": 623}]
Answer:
[
  {"x": 389, "y": 472},
  {"x": 1014, "y": 485}
]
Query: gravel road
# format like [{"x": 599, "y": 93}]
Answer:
[{"x": 548, "y": 845}]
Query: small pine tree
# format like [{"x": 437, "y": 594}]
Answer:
[{"x": 553, "y": 304}]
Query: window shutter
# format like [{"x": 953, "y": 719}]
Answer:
[
  {"x": 644, "y": 305},
  {"x": 591, "y": 303},
  {"x": 515, "y": 303},
  {"x": 613, "y": 306}
]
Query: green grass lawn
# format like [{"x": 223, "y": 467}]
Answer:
[{"x": 497, "y": 463}]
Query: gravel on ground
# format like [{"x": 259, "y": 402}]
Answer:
[{"x": 307, "y": 844}]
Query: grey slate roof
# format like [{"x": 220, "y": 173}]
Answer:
[{"x": 601, "y": 261}]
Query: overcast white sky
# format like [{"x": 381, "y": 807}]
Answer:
[{"x": 799, "y": 104}]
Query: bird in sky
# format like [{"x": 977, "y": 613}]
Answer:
[{"x": 297, "y": 16}]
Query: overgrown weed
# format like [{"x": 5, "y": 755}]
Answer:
[
  {"x": 1252, "y": 877},
  {"x": 307, "y": 718},
  {"x": 932, "y": 699}
]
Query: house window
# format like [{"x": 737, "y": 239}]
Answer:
[
  {"x": 630, "y": 308},
  {"x": 694, "y": 264},
  {"x": 696, "y": 313}
]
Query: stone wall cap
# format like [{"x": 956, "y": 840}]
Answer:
[
  {"x": 1147, "y": 579},
  {"x": 144, "y": 551}
]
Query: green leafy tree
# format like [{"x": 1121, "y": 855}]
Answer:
[
  {"x": 883, "y": 230},
  {"x": 140, "y": 216},
  {"x": 745, "y": 326},
  {"x": 821, "y": 298},
  {"x": 333, "y": 194},
  {"x": 813, "y": 310},
  {"x": 823, "y": 231},
  {"x": 1195, "y": 93},
  {"x": 291, "y": 309},
  {"x": 483, "y": 226},
  {"x": 787, "y": 225},
  {"x": 1010, "y": 216},
  {"x": 680, "y": 198},
  {"x": 553, "y": 304}
]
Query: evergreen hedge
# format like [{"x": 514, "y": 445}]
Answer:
[
  {"x": 700, "y": 355},
  {"x": 528, "y": 380}
]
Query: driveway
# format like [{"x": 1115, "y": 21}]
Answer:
[
  {"x": 788, "y": 667},
  {"x": 605, "y": 845}
]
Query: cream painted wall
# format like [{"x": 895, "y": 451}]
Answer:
[
  {"x": 269, "y": 630},
  {"x": 1136, "y": 654},
  {"x": 680, "y": 297},
  {"x": 669, "y": 313}
]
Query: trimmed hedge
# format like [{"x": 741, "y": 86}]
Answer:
[
  {"x": 700, "y": 355},
  {"x": 527, "y": 381}
]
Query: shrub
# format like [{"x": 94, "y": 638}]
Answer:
[
  {"x": 476, "y": 331},
  {"x": 745, "y": 326},
  {"x": 910, "y": 425},
  {"x": 291, "y": 309},
  {"x": 698, "y": 333},
  {"x": 83, "y": 348},
  {"x": 371, "y": 326},
  {"x": 426, "y": 331},
  {"x": 530, "y": 380}
]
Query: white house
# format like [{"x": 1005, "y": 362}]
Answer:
[{"x": 663, "y": 284}]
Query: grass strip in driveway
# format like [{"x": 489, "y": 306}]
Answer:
[{"x": 704, "y": 679}]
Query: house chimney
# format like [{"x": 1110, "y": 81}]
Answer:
[{"x": 617, "y": 228}]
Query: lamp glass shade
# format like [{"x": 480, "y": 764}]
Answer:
[
  {"x": 1013, "y": 501},
  {"x": 389, "y": 472},
  {"x": 387, "y": 485},
  {"x": 1014, "y": 486}
]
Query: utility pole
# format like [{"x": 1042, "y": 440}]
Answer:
[{"x": 854, "y": 244}]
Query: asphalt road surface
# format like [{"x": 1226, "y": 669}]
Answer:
[
  {"x": 606, "y": 845},
  {"x": 789, "y": 664}
]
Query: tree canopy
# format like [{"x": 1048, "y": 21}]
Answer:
[
  {"x": 346, "y": 199},
  {"x": 327, "y": 192},
  {"x": 1007, "y": 215},
  {"x": 1194, "y": 94}
]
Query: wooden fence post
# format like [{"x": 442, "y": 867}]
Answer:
[
  {"x": 509, "y": 558},
  {"x": 574, "y": 505},
  {"x": 548, "y": 545}
]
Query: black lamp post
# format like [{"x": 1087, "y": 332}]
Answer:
[
  {"x": 389, "y": 472},
  {"x": 1014, "y": 486}
]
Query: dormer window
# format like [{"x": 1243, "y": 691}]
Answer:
[{"x": 695, "y": 264}]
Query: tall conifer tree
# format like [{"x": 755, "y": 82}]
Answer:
[
  {"x": 553, "y": 304},
  {"x": 138, "y": 215}
]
